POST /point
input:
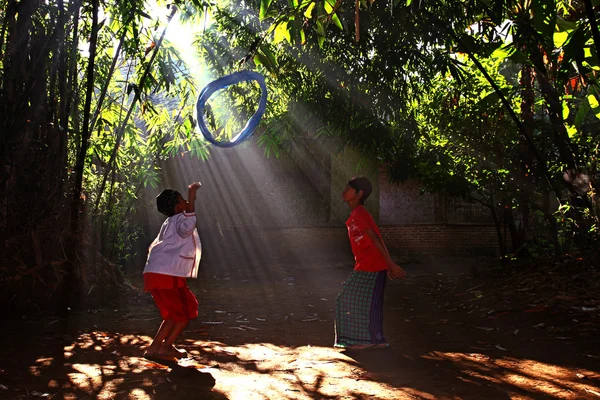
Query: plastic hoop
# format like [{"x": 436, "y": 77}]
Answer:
[{"x": 221, "y": 83}]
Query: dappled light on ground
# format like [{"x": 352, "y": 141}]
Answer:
[
  {"x": 521, "y": 374},
  {"x": 266, "y": 333},
  {"x": 277, "y": 372},
  {"x": 106, "y": 365}
]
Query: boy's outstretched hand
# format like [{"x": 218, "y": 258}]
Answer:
[
  {"x": 194, "y": 186},
  {"x": 395, "y": 271}
]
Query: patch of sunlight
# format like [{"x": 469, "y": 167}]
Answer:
[
  {"x": 134, "y": 340},
  {"x": 123, "y": 365},
  {"x": 182, "y": 35},
  {"x": 305, "y": 372},
  {"x": 138, "y": 394},
  {"x": 44, "y": 361},
  {"x": 415, "y": 393},
  {"x": 88, "y": 377},
  {"x": 108, "y": 370},
  {"x": 548, "y": 379},
  {"x": 34, "y": 370},
  {"x": 110, "y": 389}
]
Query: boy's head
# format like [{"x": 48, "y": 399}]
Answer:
[
  {"x": 359, "y": 183},
  {"x": 166, "y": 201}
]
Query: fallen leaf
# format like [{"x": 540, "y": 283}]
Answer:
[
  {"x": 592, "y": 392},
  {"x": 485, "y": 328},
  {"x": 249, "y": 327}
]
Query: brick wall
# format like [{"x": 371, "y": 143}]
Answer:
[
  {"x": 305, "y": 244},
  {"x": 441, "y": 238},
  {"x": 404, "y": 203}
]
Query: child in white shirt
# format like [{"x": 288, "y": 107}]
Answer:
[{"x": 172, "y": 257}]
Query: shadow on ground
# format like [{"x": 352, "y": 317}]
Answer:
[{"x": 265, "y": 330}]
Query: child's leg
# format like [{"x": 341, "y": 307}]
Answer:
[
  {"x": 167, "y": 347},
  {"x": 164, "y": 331}
]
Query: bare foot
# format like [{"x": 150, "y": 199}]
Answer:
[
  {"x": 152, "y": 351},
  {"x": 172, "y": 351}
]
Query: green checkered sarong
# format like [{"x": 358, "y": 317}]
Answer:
[{"x": 359, "y": 309}]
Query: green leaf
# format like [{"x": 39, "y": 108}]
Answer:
[
  {"x": 143, "y": 14},
  {"x": 594, "y": 105},
  {"x": 544, "y": 17},
  {"x": 582, "y": 113},
  {"x": 565, "y": 110},
  {"x": 309, "y": 10},
  {"x": 319, "y": 28},
  {"x": 336, "y": 21},
  {"x": 560, "y": 38},
  {"x": 565, "y": 26},
  {"x": 270, "y": 56},
  {"x": 503, "y": 52},
  {"x": 468, "y": 44},
  {"x": 573, "y": 46},
  {"x": 281, "y": 32},
  {"x": 264, "y": 8}
]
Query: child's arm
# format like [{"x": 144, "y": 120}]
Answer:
[
  {"x": 192, "y": 188},
  {"x": 394, "y": 270},
  {"x": 187, "y": 224}
]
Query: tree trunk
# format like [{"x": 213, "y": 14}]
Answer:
[
  {"x": 85, "y": 133},
  {"x": 501, "y": 245},
  {"x": 526, "y": 185},
  {"x": 121, "y": 128}
]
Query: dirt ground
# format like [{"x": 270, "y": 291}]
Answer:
[{"x": 457, "y": 328}]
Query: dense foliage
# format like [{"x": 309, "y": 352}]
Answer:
[{"x": 493, "y": 101}]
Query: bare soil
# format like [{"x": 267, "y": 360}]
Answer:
[{"x": 458, "y": 328}]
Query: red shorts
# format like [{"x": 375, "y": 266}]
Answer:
[{"x": 178, "y": 304}]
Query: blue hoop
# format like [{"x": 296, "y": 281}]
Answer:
[{"x": 221, "y": 83}]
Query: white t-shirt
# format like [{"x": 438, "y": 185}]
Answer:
[{"x": 177, "y": 250}]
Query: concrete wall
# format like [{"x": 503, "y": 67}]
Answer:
[
  {"x": 255, "y": 209},
  {"x": 241, "y": 187}
]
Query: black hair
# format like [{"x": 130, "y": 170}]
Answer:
[
  {"x": 359, "y": 183},
  {"x": 166, "y": 200}
]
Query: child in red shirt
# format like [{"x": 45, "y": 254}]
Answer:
[
  {"x": 359, "y": 306},
  {"x": 173, "y": 256}
]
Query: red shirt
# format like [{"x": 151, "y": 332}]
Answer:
[{"x": 366, "y": 256}]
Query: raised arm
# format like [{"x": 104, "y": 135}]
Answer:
[
  {"x": 187, "y": 224},
  {"x": 192, "y": 188}
]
